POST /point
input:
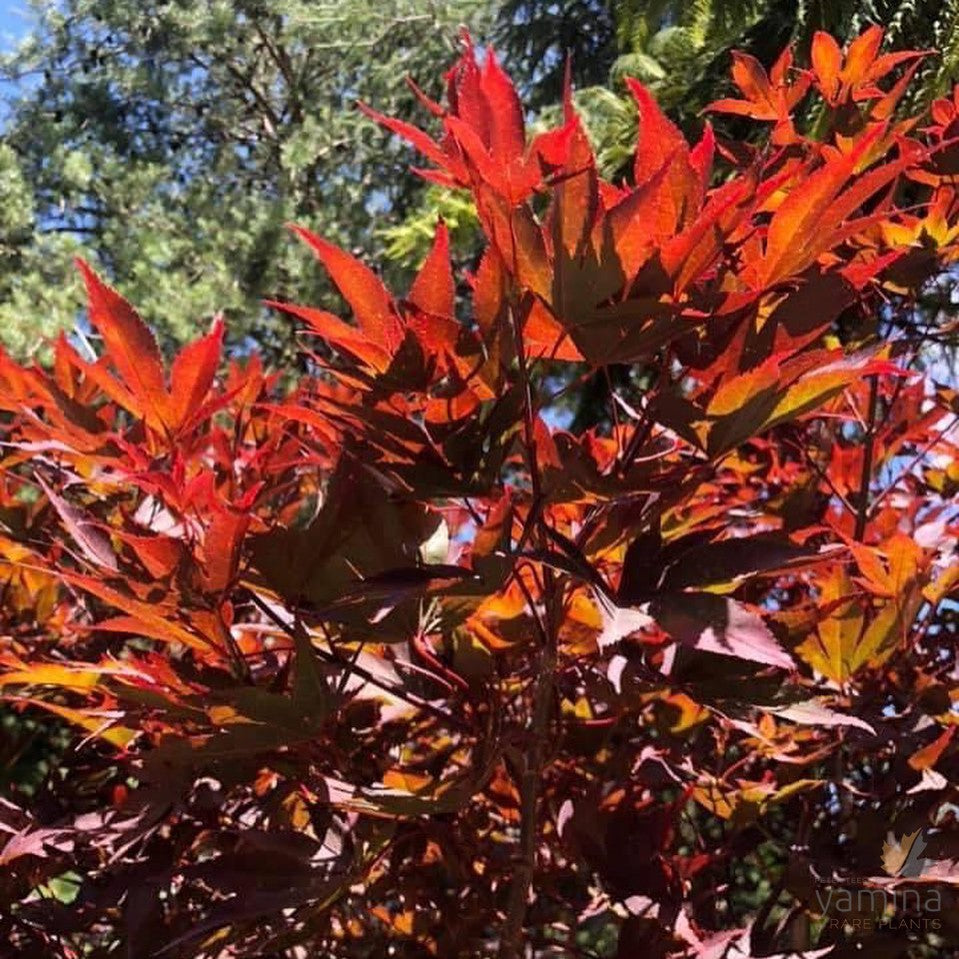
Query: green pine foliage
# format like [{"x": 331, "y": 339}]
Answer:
[{"x": 171, "y": 141}]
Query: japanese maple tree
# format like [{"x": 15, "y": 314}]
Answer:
[{"x": 388, "y": 661}]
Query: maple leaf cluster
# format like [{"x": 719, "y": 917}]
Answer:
[{"x": 387, "y": 660}]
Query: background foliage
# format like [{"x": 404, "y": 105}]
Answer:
[{"x": 172, "y": 141}]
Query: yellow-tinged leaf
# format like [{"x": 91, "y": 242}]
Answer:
[
  {"x": 102, "y": 727},
  {"x": 297, "y": 811},
  {"x": 583, "y": 610},
  {"x": 226, "y": 716},
  {"x": 800, "y": 785},
  {"x": 718, "y": 798},
  {"x": 581, "y": 709},
  {"x": 408, "y": 781},
  {"x": 151, "y": 620},
  {"x": 749, "y": 799},
  {"x": 51, "y": 674},
  {"x": 879, "y": 639},
  {"x": 690, "y": 713},
  {"x": 831, "y": 648},
  {"x": 904, "y": 555},
  {"x": 871, "y": 567},
  {"x": 735, "y": 393},
  {"x": 944, "y": 584}
]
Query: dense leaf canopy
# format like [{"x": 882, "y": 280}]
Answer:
[{"x": 386, "y": 660}]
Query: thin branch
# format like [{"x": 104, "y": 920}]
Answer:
[
  {"x": 824, "y": 477},
  {"x": 332, "y": 657},
  {"x": 865, "y": 480},
  {"x": 281, "y": 59},
  {"x": 940, "y": 435},
  {"x": 529, "y": 785},
  {"x": 538, "y": 724}
]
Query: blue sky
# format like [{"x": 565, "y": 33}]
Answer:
[{"x": 14, "y": 21}]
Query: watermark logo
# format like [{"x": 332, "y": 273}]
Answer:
[
  {"x": 902, "y": 857},
  {"x": 890, "y": 901}
]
